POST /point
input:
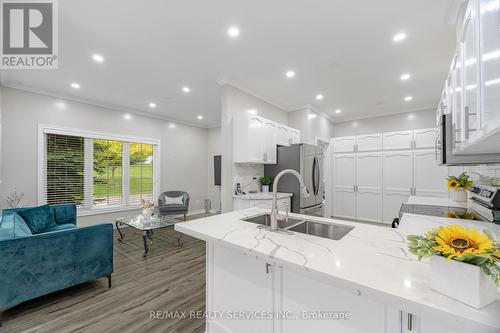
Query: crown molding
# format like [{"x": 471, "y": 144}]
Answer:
[
  {"x": 312, "y": 108},
  {"x": 229, "y": 82},
  {"x": 100, "y": 104},
  {"x": 430, "y": 108}
]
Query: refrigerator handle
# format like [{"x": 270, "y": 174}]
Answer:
[
  {"x": 314, "y": 175},
  {"x": 318, "y": 177}
]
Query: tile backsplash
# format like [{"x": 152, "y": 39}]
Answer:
[
  {"x": 481, "y": 174},
  {"x": 247, "y": 174}
]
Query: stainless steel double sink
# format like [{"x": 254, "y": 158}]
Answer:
[{"x": 303, "y": 226}]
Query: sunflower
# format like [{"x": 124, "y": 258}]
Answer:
[
  {"x": 455, "y": 241},
  {"x": 453, "y": 184}
]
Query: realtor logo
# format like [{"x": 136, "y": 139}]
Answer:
[{"x": 29, "y": 34}]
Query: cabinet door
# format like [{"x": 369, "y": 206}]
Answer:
[
  {"x": 490, "y": 64},
  {"x": 371, "y": 142},
  {"x": 344, "y": 202},
  {"x": 369, "y": 170},
  {"x": 398, "y": 170},
  {"x": 295, "y": 136},
  {"x": 457, "y": 107},
  {"x": 428, "y": 176},
  {"x": 233, "y": 277},
  {"x": 392, "y": 201},
  {"x": 369, "y": 205},
  {"x": 284, "y": 135},
  {"x": 270, "y": 142},
  {"x": 344, "y": 144},
  {"x": 425, "y": 138},
  {"x": 469, "y": 44},
  {"x": 254, "y": 140},
  {"x": 397, "y": 140},
  {"x": 302, "y": 295},
  {"x": 344, "y": 170}
]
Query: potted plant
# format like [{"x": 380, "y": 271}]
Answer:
[
  {"x": 459, "y": 185},
  {"x": 265, "y": 181},
  {"x": 464, "y": 263}
]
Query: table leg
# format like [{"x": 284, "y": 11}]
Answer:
[
  {"x": 179, "y": 242},
  {"x": 117, "y": 228},
  {"x": 146, "y": 237}
]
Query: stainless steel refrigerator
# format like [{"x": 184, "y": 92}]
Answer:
[{"x": 308, "y": 161}]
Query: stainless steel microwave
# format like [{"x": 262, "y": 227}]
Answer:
[{"x": 444, "y": 148}]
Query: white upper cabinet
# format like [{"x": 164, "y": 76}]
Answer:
[
  {"x": 255, "y": 139},
  {"x": 344, "y": 170},
  {"x": 398, "y": 170},
  {"x": 369, "y": 170},
  {"x": 397, "y": 140},
  {"x": 489, "y": 18},
  {"x": 370, "y": 142},
  {"x": 428, "y": 176},
  {"x": 344, "y": 144},
  {"x": 425, "y": 138}
]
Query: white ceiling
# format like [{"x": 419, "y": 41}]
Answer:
[{"x": 340, "y": 48}]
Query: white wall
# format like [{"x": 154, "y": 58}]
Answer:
[
  {"x": 214, "y": 148},
  {"x": 183, "y": 148},
  {"x": 398, "y": 122},
  {"x": 312, "y": 125},
  {"x": 236, "y": 101}
]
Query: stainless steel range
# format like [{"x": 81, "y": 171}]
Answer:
[{"x": 485, "y": 200}]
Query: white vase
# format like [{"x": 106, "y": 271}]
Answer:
[
  {"x": 464, "y": 282},
  {"x": 147, "y": 212},
  {"x": 459, "y": 195},
  {"x": 265, "y": 188}
]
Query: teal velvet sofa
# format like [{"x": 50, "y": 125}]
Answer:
[{"x": 36, "y": 264}]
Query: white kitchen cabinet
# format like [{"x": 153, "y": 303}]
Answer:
[
  {"x": 398, "y": 170},
  {"x": 457, "y": 106},
  {"x": 392, "y": 200},
  {"x": 295, "y": 136},
  {"x": 397, "y": 140},
  {"x": 370, "y": 142},
  {"x": 429, "y": 178},
  {"x": 234, "y": 277},
  {"x": 365, "y": 315},
  {"x": 344, "y": 170},
  {"x": 425, "y": 138},
  {"x": 369, "y": 205},
  {"x": 344, "y": 202},
  {"x": 269, "y": 144},
  {"x": 489, "y": 20},
  {"x": 344, "y": 144},
  {"x": 369, "y": 170},
  {"x": 283, "y": 135}
]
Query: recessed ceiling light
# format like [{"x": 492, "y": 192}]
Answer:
[
  {"x": 97, "y": 57},
  {"x": 252, "y": 111},
  {"x": 311, "y": 116},
  {"x": 399, "y": 37},
  {"x": 200, "y": 117},
  {"x": 405, "y": 77},
  {"x": 152, "y": 105},
  {"x": 408, "y": 99},
  {"x": 338, "y": 111},
  {"x": 75, "y": 85},
  {"x": 186, "y": 89},
  {"x": 127, "y": 116},
  {"x": 233, "y": 32},
  {"x": 290, "y": 74},
  {"x": 319, "y": 97},
  {"x": 172, "y": 126}
]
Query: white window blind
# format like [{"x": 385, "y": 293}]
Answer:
[
  {"x": 64, "y": 169},
  {"x": 141, "y": 173},
  {"x": 97, "y": 173}
]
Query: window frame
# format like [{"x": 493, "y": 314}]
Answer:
[{"x": 89, "y": 136}]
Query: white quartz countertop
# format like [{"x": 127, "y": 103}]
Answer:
[
  {"x": 432, "y": 201},
  {"x": 371, "y": 261},
  {"x": 262, "y": 196}
]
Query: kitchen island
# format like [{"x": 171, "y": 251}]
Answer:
[{"x": 262, "y": 281}]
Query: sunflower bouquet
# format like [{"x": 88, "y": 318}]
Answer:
[
  {"x": 462, "y": 181},
  {"x": 462, "y": 244}
]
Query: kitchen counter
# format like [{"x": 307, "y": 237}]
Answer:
[
  {"x": 262, "y": 196},
  {"x": 370, "y": 261},
  {"x": 433, "y": 201}
]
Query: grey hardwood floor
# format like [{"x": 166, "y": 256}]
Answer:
[{"x": 171, "y": 278}]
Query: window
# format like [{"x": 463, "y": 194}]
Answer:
[
  {"x": 141, "y": 173},
  {"x": 64, "y": 169},
  {"x": 96, "y": 171}
]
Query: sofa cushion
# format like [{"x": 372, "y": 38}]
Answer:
[
  {"x": 65, "y": 213},
  {"x": 172, "y": 208},
  {"x": 12, "y": 226},
  {"x": 174, "y": 201},
  {"x": 38, "y": 219},
  {"x": 58, "y": 227}
]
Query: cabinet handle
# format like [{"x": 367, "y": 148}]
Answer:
[
  {"x": 268, "y": 268},
  {"x": 410, "y": 322}
]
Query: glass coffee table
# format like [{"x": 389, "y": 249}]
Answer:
[{"x": 147, "y": 226}]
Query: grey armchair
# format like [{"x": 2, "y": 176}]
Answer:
[{"x": 165, "y": 209}]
